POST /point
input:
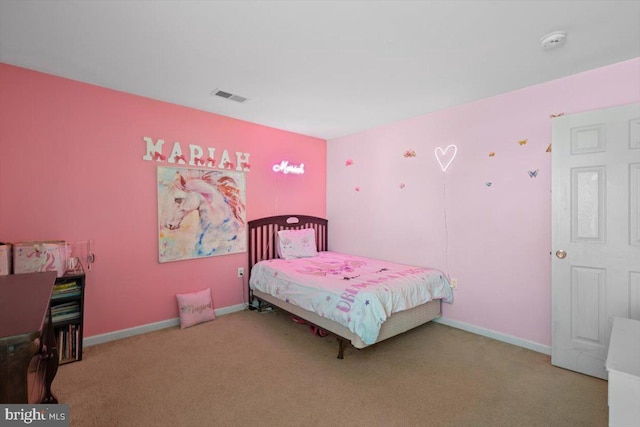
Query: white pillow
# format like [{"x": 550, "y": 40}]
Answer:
[{"x": 294, "y": 244}]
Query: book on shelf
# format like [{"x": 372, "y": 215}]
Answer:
[
  {"x": 66, "y": 289},
  {"x": 66, "y": 311},
  {"x": 66, "y": 294},
  {"x": 64, "y": 317},
  {"x": 68, "y": 343},
  {"x": 64, "y": 306},
  {"x": 65, "y": 285}
]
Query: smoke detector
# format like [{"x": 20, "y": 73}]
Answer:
[{"x": 553, "y": 40}]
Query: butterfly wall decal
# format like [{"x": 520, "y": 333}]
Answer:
[
  {"x": 533, "y": 174},
  {"x": 523, "y": 141}
]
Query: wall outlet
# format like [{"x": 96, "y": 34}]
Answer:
[
  {"x": 240, "y": 271},
  {"x": 454, "y": 283}
]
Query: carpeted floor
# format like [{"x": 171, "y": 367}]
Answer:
[{"x": 248, "y": 368}]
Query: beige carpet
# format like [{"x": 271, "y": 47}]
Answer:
[{"x": 263, "y": 369}]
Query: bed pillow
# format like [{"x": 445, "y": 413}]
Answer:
[
  {"x": 195, "y": 308},
  {"x": 294, "y": 244}
]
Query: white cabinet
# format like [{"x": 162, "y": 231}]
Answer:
[{"x": 623, "y": 365}]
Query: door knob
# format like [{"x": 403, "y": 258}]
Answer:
[{"x": 561, "y": 254}]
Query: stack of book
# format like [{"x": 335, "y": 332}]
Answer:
[
  {"x": 64, "y": 312},
  {"x": 67, "y": 289}
]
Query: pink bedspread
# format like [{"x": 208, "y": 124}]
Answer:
[{"x": 359, "y": 293}]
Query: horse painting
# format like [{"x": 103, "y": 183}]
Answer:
[{"x": 200, "y": 213}]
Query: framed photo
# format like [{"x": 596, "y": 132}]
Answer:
[{"x": 201, "y": 213}]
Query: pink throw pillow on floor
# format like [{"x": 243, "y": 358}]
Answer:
[{"x": 195, "y": 307}]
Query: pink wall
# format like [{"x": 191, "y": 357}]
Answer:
[
  {"x": 71, "y": 168},
  {"x": 495, "y": 240}
]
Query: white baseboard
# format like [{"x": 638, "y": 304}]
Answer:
[
  {"x": 143, "y": 329},
  {"x": 169, "y": 323},
  {"x": 495, "y": 335}
]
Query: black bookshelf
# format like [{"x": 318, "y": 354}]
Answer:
[{"x": 67, "y": 314}]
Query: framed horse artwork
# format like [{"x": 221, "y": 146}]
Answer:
[{"x": 201, "y": 213}]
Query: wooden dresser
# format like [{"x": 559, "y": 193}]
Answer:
[
  {"x": 623, "y": 365},
  {"x": 28, "y": 355}
]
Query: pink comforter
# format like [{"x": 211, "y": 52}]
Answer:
[{"x": 359, "y": 293}]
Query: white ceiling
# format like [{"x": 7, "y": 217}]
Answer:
[{"x": 319, "y": 68}]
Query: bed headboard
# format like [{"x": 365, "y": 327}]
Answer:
[{"x": 263, "y": 231}]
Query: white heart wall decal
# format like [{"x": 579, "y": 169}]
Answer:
[{"x": 446, "y": 156}]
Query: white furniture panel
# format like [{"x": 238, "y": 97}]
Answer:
[{"x": 623, "y": 366}]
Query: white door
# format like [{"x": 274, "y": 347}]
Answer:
[{"x": 595, "y": 233}]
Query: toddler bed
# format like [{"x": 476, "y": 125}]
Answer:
[{"x": 360, "y": 300}]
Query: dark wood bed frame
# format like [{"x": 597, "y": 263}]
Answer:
[
  {"x": 263, "y": 232},
  {"x": 262, "y": 245}
]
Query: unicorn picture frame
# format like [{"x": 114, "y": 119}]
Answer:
[{"x": 201, "y": 213}]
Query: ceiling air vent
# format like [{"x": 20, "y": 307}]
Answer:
[{"x": 227, "y": 95}]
